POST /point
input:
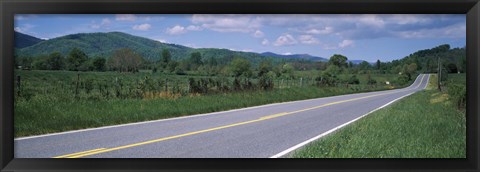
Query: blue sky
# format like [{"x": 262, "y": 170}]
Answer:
[{"x": 367, "y": 37}]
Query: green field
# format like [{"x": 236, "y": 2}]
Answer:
[
  {"x": 424, "y": 125},
  {"x": 49, "y": 101}
]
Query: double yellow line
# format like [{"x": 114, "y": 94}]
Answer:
[{"x": 103, "y": 150}]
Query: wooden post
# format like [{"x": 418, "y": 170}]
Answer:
[
  {"x": 166, "y": 85},
  {"x": 439, "y": 75},
  {"x": 78, "y": 82},
  {"x": 18, "y": 85}
]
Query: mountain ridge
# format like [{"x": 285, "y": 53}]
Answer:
[
  {"x": 24, "y": 40},
  {"x": 103, "y": 44}
]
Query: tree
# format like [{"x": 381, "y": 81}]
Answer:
[
  {"x": 165, "y": 61},
  {"x": 409, "y": 70},
  {"x": 25, "y": 62},
  {"x": 364, "y": 65},
  {"x": 212, "y": 61},
  {"x": 240, "y": 67},
  {"x": 55, "y": 61},
  {"x": 166, "y": 56},
  {"x": 287, "y": 70},
  {"x": 338, "y": 60},
  {"x": 125, "y": 60},
  {"x": 99, "y": 64},
  {"x": 75, "y": 59},
  {"x": 378, "y": 64},
  {"x": 172, "y": 65},
  {"x": 264, "y": 67},
  {"x": 196, "y": 58}
]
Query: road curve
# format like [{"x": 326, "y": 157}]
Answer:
[{"x": 256, "y": 132}]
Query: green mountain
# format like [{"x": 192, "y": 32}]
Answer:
[
  {"x": 24, "y": 40},
  {"x": 104, "y": 44}
]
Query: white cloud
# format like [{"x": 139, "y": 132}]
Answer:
[
  {"x": 345, "y": 43},
  {"x": 176, "y": 30},
  {"x": 285, "y": 39},
  {"x": 162, "y": 40},
  {"x": 95, "y": 26},
  {"x": 194, "y": 28},
  {"x": 325, "y": 30},
  {"x": 106, "y": 21},
  {"x": 258, "y": 34},
  {"x": 372, "y": 20},
  {"x": 24, "y": 28},
  {"x": 228, "y": 22},
  {"x": 453, "y": 31},
  {"x": 247, "y": 50},
  {"x": 125, "y": 17},
  {"x": 403, "y": 19},
  {"x": 265, "y": 42},
  {"x": 308, "y": 39},
  {"x": 142, "y": 27},
  {"x": 287, "y": 53}
]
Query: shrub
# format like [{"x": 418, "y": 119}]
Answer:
[
  {"x": 353, "y": 80},
  {"x": 265, "y": 83},
  {"x": 458, "y": 93},
  {"x": 371, "y": 81}
]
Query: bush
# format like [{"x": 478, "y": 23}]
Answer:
[
  {"x": 402, "y": 79},
  {"x": 371, "y": 81},
  {"x": 265, "y": 83},
  {"x": 458, "y": 93},
  {"x": 353, "y": 80}
]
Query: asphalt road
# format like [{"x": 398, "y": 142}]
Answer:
[{"x": 256, "y": 132}]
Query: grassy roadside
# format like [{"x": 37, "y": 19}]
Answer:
[
  {"x": 47, "y": 114},
  {"x": 424, "y": 125}
]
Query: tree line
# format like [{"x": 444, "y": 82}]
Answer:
[{"x": 127, "y": 60}]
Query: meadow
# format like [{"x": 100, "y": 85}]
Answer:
[
  {"x": 55, "y": 101},
  {"x": 427, "y": 124}
]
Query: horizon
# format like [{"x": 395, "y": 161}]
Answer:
[{"x": 359, "y": 37}]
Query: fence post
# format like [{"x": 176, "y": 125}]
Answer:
[
  {"x": 18, "y": 85},
  {"x": 78, "y": 82},
  {"x": 166, "y": 85},
  {"x": 301, "y": 82}
]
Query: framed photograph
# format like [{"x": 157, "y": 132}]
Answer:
[{"x": 225, "y": 85}]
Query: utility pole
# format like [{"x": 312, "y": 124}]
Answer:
[{"x": 439, "y": 74}]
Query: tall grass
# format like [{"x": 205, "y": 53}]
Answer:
[
  {"x": 48, "y": 103},
  {"x": 423, "y": 125}
]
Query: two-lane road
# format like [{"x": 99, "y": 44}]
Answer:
[{"x": 260, "y": 132}]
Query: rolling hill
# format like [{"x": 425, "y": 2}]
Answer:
[
  {"x": 24, "y": 40},
  {"x": 104, "y": 44}
]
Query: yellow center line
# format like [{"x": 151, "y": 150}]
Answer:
[
  {"x": 103, "y": 150},
  {"x": 79, "y": 153}
]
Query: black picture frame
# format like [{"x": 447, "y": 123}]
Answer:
[{"x": 8, "y": 8}]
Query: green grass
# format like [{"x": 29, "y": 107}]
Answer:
[
  {"x": 52, "y": 107},
  {"x": 423, "y": 125}
]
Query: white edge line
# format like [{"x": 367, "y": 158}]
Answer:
[
  {"x": 184, "y": 117},
  {"x": 338, "y": 127},
  {"x": 331, "y": 130}
]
